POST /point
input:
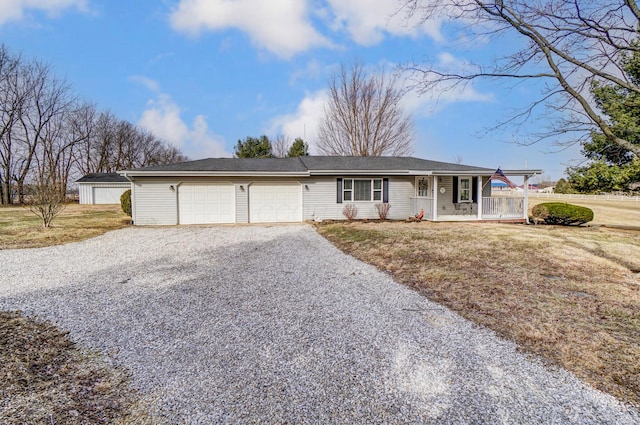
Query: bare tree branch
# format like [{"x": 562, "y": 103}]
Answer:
[
  {"x": 569, "y": 44},
  {"x": 363, "y": 116}
]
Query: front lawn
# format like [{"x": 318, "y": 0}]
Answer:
[
  {"x": 20, "y": 228},
  {"x": 570, "y": 295},
  {"x": 45, "y": 378}
]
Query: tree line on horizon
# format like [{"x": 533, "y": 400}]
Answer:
[
  {"x": 582, "y": 56},
  {"x": 49, "y": 137}
]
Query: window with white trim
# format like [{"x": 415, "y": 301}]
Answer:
[
  {"x": 422, "y": 187},
  {"x": 362, "y": 189},
  {"x": 464, "y": 189}
]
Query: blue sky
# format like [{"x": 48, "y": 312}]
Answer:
[{"x": 202, "y": 74}]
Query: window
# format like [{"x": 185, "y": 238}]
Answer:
[
  {"x": 422, "y": 187},
  {"x": 464, "y": 194},
  {"x": 362, "y": 189}
]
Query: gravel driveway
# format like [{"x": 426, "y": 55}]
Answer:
[{"x": 250, "y": 324}]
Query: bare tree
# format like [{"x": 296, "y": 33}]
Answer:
[
  {"x": 61, "y": 138},
  {"x": 280, "y": 146},
  {"x": 46, "y": 136},
  {"x": 45, "y": 201},
  {"x": 566, "y": 45},
  {"x": 363, "y": 116},
  {"x": 49, "y": 100},
  {"x": 13, "y": 97}
]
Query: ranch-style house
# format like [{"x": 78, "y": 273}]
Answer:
[{"x": 281, "y": 190}]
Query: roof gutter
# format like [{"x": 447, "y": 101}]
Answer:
[
  {"x": 486, "y": 172},
  {"x": 129, "y": 174}
]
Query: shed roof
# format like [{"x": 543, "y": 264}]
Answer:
[{"x": 103, "y": 178}]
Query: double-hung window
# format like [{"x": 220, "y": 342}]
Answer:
[
  {"x": 362, "y": 189},
  {"x": 464, "y": 194},
  {"x": 422, "y": 187}
]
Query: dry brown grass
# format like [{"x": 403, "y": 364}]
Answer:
[
  {"x": 20, "y": 228},
  {"x": 616, "y": 213},
  {"x": 570, "y": 295},
  {"x": 46, "y": 379}
]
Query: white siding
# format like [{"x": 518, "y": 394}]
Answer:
[
  {"x": 242, "y": 201},
  {"x": 86, "y": 191},
  {"x": 154, "y": 202},
  {"x": 321, "y": 199},
  {"x": 445, "y": 200}
]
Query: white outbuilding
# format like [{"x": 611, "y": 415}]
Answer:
[{"x": 102, "y": 188}]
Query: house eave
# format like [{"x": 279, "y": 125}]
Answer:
[
  {"x": 484, "y": 172},
  {"x": 129, "y": 174},
  {"x": 359, "y": 172}
]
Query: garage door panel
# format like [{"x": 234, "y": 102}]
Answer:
[
  {"x": 275, "y": 202},
  {"x": 107, "y": 195},
  {"x": 206, "y": 203}
]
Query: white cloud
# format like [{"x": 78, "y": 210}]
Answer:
[
  {"x": 368, "y": 21},
  {"x": 279, "y": 26},
  {"x": 304, "y": 121},
  {"x": 150, "y": 84},
  {"x": 14, "y": 10},
  {"x": 163, "y": 118}
]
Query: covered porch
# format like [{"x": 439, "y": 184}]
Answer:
[{"x": 468, "y": 197}]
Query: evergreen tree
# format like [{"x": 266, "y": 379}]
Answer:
[
  {"x": 613, "y": 167},
  {"x": 253, "y": 147},
  {"x": 298, "y": 148}
]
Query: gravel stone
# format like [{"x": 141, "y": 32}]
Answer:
[{"x": 248, "y": 324}]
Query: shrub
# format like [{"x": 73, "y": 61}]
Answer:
[
  {"x": 125, "y": 202},
  {"x": 350, "y": 211},
  {"x": 563, "y": 214},
  {"x": 46, "y": 201},
  {"x": 539, "y": 214},
  {"x": 383, "y": 210}
]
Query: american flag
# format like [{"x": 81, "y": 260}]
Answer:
[{"x": 499, "y": 175}]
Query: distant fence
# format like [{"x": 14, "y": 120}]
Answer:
[{"x": 581, "y": 196}]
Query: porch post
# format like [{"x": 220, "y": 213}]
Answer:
[
  {"x": 526, "y": 199},
  {"x": 479, "y": 197},
  {"x": 434, "y": 207}
]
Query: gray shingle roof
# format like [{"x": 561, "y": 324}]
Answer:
[
  {"x": 103, "y": 178},
  {"x": 314, "y": 163},
  {"x": 382, "y": 163},
  {"x": 233, "y": 164}
]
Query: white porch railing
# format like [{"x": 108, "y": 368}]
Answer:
[
  {"x": 423, "y": 203},
  {"x": 502, "y": 207}
]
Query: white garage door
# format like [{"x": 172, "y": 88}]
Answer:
[
  {"x": 107, "y": 195},
  {"x": 206, "y": 203},
  {"x": 275, "y": 202}
]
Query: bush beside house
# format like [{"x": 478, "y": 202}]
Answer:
[
  {"x": 561, "y": 213},
  {"x": 125, "y": 202}
]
